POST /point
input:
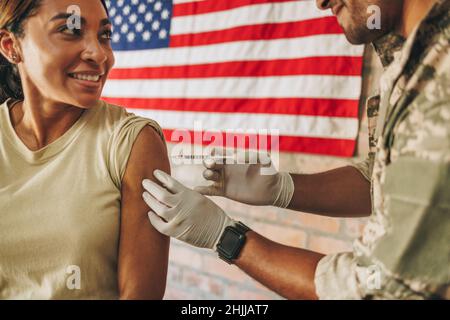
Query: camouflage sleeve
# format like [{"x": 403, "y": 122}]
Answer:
[
  {"x": 343, "y": 276},
  {"x": 336, "y": 278},
  {"x": 365, "y": 167}
]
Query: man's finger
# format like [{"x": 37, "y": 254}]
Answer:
[
  {"x": 214, "y": 163},
  {"x": 158, "y": 223},
  {"x": 211, "y": 175},
  {"x": 167, "y": 181},
  {"x": 159, "y": 193},
  {"x": 155, "y": 205}
]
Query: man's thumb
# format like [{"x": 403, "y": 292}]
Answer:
[{"x": 207, "y": 191}]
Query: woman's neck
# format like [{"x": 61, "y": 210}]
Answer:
[
  {"x": 39, "y": 122},
  {"x": 414, "y": 11}
]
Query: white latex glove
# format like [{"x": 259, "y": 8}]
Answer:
[
  {"x": 255, "y": 184},
  {"x": 184, "y": 214}
]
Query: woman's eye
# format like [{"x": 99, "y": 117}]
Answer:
[
  {"x": 70, "y": 31},
  {"x": 107, "y": 35}
]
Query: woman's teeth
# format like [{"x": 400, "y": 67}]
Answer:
[{"x": 85, "y": 77}]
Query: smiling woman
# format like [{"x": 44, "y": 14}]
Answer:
[{"x": 71, "y": 165}]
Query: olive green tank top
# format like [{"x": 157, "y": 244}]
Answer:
[{"x": 60, "y": 206}]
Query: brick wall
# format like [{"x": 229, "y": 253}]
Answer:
[{"x": 199, "y": 274}]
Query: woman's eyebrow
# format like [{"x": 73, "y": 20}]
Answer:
[
  {"x": 65, "y": 16},
  {"x": 105, "y": 22}
]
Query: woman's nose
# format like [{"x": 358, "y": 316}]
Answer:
[
  {"x": 323, "y": 4},
  {"x": 94, "y": 52}
]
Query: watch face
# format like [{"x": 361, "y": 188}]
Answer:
[
  {"x": 230, "y": 243},
  {"x": 230, "y": 239}
]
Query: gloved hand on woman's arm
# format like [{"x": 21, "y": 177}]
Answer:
[{"x": 184, "y": 214}]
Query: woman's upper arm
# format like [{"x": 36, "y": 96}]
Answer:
[{"x": 143, "y": 251}]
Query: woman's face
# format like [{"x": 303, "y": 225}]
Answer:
[{"x": 63, "y": 60}]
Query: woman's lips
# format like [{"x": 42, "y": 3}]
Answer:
[{"x": 88, "y": 84}]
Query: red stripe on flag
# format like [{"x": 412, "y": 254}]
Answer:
[
  {"x": 269, "y": 31},
  {"x": 329, "y": 147},
  {"x": 199, "y": 7},
  {"x": 293, "y": 106},
  {"x": 333, "y": 147},
  {"x": 341, "y": 66}
]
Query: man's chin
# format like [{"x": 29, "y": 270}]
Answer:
[
  {"x": 363, "y": 38},
  {"x": 353, "y": 40}
]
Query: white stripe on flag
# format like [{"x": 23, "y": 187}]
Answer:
[
  {"x": 314, "y": 46},
  {"x": 332, "y": 87},
  {"x": 288, "y": 125},
  {"x": 247, "y": 15}
]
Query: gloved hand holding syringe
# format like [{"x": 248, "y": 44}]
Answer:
[{"x": 245, "y": 176}]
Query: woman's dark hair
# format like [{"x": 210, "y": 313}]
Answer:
[{"x": 13, "y": 14}]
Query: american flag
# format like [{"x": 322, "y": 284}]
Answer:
[{"x": 238, "y": 64}]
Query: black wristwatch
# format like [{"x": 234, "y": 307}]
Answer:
[{"x": 231, "y": 242}]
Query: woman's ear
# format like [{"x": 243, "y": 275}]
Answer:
[{"x": 8, "y": 46}]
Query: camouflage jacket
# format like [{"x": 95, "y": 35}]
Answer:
[{"x": 404, "y": 251}]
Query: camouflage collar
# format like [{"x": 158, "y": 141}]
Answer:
[
  {"x": 387, "y": 45},
  {"x": 440, "y": 8}
]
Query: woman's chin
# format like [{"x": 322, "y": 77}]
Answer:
[
  {"x": 84, "y": 97},
  {"x": 86, "y": 102}
]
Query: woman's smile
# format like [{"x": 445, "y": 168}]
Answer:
[{"x": 88, "y": 80}]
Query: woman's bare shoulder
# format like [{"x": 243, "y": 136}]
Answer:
[{"x": 147, "y": 154}]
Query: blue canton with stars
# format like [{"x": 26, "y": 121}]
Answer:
[{"x": 140, "y": 24}]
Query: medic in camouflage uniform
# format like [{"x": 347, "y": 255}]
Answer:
[{"x": 404, "y": 251}]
